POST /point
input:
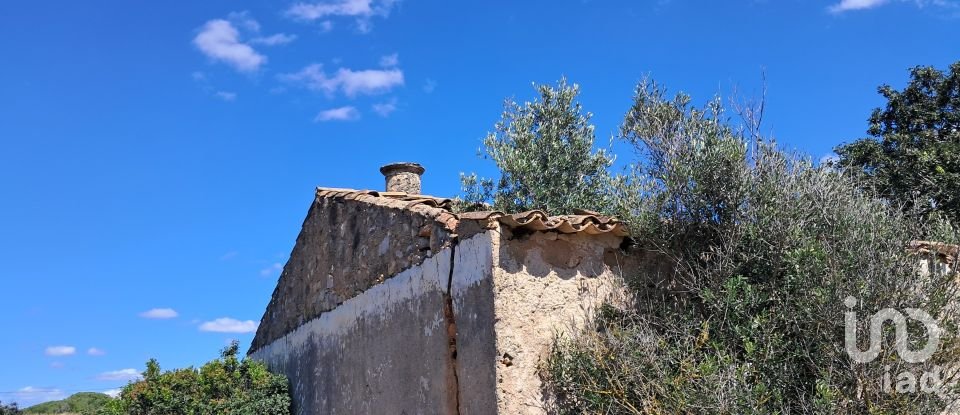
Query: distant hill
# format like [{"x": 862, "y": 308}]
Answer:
[{"x": 83, "y": 403}]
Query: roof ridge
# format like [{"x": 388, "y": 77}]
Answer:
[{"x": 441, "y": 210}]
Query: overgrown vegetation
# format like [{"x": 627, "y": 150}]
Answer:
[
  {"x": 223, "y": 386},
  {"x": 766, "y": 247},
  {"x": 913, "y": 154},
  {"x": 83, "y": 403}
]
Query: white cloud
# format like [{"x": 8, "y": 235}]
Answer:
[
  {"x": 229, "y": 325},
  {"x": 60, "y": 350},
  {"x": 389, "y": 61},
  {"x": 120, "y": 375},
  {"x": 384, "y": 109},
  {"x": 159, "y": 313},
  {"x": 275, "y": 267},
  {"x": 352, "y": 8},
  {"x": 229, "y": 255},
  {"x": 198, "y": 76},
  {"x": 113, "y": 393},
  {"x": 846, "y": 5},
  {"x": 350, "y": 82},
  {"x": 227, "y": 96},
  {"x": 244, "y": 20},
  {"x": 220, "y": 40},
  {"x": 429, "y": 86},
  {"x": 326, "y": 26},
  {"x": 338, "y": 114},
  {"x": 362, "y": 10},
  {"x": 273, "y": 40},
  {"x": 851, "y": 5},
  {"x": 28, "y": 396},
  {"x": 93, "y": 351}
]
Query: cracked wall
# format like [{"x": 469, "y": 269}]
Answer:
[
  {"x": 385, "y": 350},
  {"x": 383, "y": 310}
]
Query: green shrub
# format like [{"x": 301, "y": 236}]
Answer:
[{"x": 222, "y": 386}]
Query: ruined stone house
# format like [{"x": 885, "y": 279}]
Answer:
[{"x": 391, "y": 303}]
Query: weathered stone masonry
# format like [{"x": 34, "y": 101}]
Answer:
[{"x": 392, "y": 304}]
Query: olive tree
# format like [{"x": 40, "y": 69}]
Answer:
[{"x": 545, "y": 154}]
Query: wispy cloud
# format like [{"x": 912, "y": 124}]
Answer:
[
  {"x": 362, "y": 10},
  {"x": 159, "y": 313},
  {"x": 93, "y": 351},
  {"x": 384, "y": 109},
  {"x": 220, "y": 40},
  {"x": 227, "y": 96},
  {"x": 229, "y": 255},
  {"x": 829, "y": 158},
  {"x": 60, "y": 351},
  {"x": 429, "y": 86},
  {"x": 348, "y": 81},
  {"x": 326, "y": 26},
  {"x": 274, "y": 267},
  {"x": 229, "y": 325},
  {"x": 243, "y": 20},
  {"x": 852, "y": 5},
  {"x": 113, "y": 393},
  {"x": 120, "y": 375},
  {"x": 389, "y": 61},
  {"x": 347, "y": 113},
  {"x": 29, "y": 395},
  {"x": 273, "y": 40},
  {"x": 847, "y": 5}
]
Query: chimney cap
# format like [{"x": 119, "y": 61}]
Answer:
[{"x": 402, "y": 167}]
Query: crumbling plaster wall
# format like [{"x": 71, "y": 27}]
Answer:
[
  {"x": 541, "y": 285},
  {"x": 384, "y": 310},
  {"x": 385, "y": 350}
]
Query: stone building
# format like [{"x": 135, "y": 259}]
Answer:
[{"x": 391, "y": 303}]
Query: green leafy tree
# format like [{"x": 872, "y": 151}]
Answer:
[
  {"x": 913, "y": 155},
  {"x": 223, "y": 386},
  {"x": 545, "y": 153}
]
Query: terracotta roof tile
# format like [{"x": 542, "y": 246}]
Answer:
[
  {"x": 945, "y": 253},
  {"x": 440, "y": 209},
  {"x": 537, "y": 220}
]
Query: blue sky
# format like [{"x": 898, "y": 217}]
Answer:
[{"x": 158, "y": 159}]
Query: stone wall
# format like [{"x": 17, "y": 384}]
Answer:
[
  {"x": 386, "y": 307},
  {"x": 344, "y": 248}
]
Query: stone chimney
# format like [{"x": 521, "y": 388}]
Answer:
[{"x": 403, "y": 177}]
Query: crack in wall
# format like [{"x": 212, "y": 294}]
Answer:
[{"x": 448, "y": 315}]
